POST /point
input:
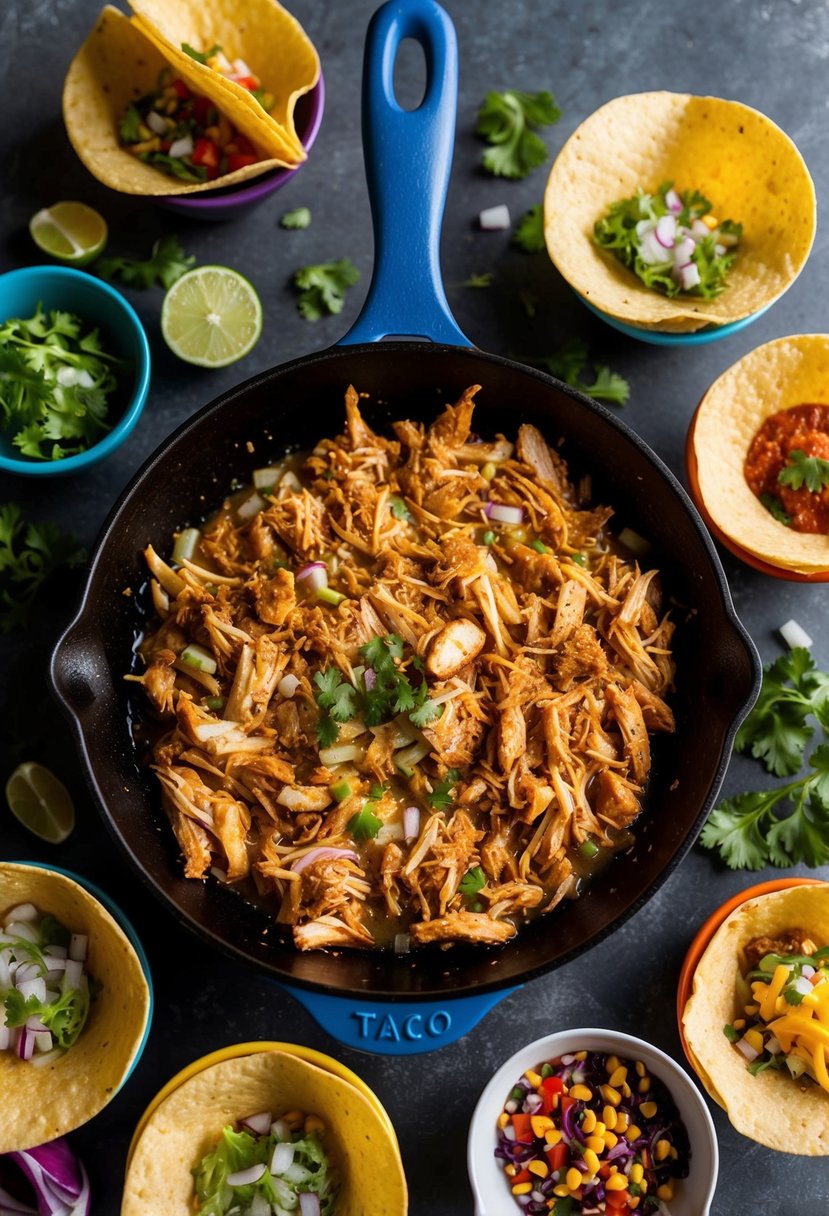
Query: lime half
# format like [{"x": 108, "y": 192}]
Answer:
[
  {"x": 40, "y": 802},
  {"x": 211, "y": 316},
  {"x": 70, "y": 232}
]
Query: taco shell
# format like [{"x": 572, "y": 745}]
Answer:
[
  {"x": 41, "y": 1103},
  {"x": 771, "y": 1108},
  {"x": 187, "y": 1124},
  {"x": 776, "y": 376},
  {"x": 750, "y": 170},
  {"x": 116, "y": 65},
  {"x": 272, "y": 43}
]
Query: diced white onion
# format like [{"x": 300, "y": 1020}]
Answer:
[
  {"x": 245, "y": 1177},
  {"x": 280, "y": 1130},
  {"x": 773, "y": 1045},
  {"x": 314, "y": 575},
  {"x": 181, "y": 147},
  {"x": 22, "y": 929},
  {"x": 287, "y": 686},
  {"x": 309, "y": 1203},
  {"x": 411, "y": 822},
  {"x": 503, "y": 513},
  {"x": 259, "y": 1123},
  {"x": 186, "y": 544},
  {"x": 340, "y": 754},
  {"x": 241, "y": 68},
  {"x": 388, "y": 833},
  {"x": 35, "y": 988},
  {"x": 268, "y": 477},
  {"x": 289, "y": 481},
  {"x": 250, "y": 506},
  {"x": 78, "y": 943},
  {"x": 795, "y": 635},
  {"x": 673, "y": 202},
  {"x": 21, "y": 912},
  {"x": 156, "y": 122},
  {"x": 283, "y": 1157},
  {"x": 665, "y": 231},
  {"x": 492, "y": 219},
  {"x": 73, "y": 975},
  {"x": 43, "y": 1041},
  {"x": 750, "y": 1053},
  {"x": 402, "y": 943},
  {"x": 688, "y": 276},
  {"x": 796, "y": 1066}
]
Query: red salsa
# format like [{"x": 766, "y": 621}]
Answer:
[{"x": 787, "y": 467}]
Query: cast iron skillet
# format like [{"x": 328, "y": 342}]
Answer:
[{"x": 379, "y": 1001}]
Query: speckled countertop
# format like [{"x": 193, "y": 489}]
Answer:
[{"x": 772, "y": 55}]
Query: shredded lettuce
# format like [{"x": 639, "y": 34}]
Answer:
[{"x": 236, "y": 1151}]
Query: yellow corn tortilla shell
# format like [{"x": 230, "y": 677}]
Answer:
[
  {"x": 40, "y": 1103},
  {"x": 272, "y": 43},
  {"x": 739, "y": 159},
  {"x": 777, "y": 376},
  {"x": 188, "y": 1123},
  {"x": 116, "y": 65},
  {"x": 771, "y": 1108}
]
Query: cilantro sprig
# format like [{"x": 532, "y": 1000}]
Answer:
[
  {"x": 568, "y": 362},
  {"x": 337, "y": 700},
  {"x": 299, "y": 217},
  {"x": 442, "y": 797},
  {"x": 508, "y": 121},
  {"x": 322, "y": 287},
  {"x": 787, "y": 824},
  {"x": 29, "y": 553},
  {"x": 529, "y": 231},
  {"x": 165, "y": 265},
  {"x": 811, "y": 471}
]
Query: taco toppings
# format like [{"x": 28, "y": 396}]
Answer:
[
  {"x": 787, "y": 467},
  {"x": 239, "y": 71},
  {"x": 592, "y": 1133},
  {"x": 184, "y": 134},
  {"x": 44, "y": 991},
  {"x": 262, "y": 1166},
  {"x": 671, "y": 241},
  {"x": 784, "y": 1022}
]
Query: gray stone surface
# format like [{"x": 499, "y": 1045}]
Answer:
[{"x": 771, "y": 55}]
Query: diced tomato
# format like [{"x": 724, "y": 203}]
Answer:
[
  {"x": 248, "y": 82},
  {"x": 557, "y": 1155},
  {"x": 523, "y": 1128},
  {"x": 243, "y": 145},
  {"x": 202, "y": 107},
  {"x": 239, "y": 160},
  {"x": 617, "y": 1201},
  {"x": 551, "y": 1088},
  {"x": 206, "y": 153},
  {"x": 567, "y": 1102},
  {"x": 521, "y": 1176},
  {"x": 181, "y": 89},
  {"x": 552, "y": 1085}
]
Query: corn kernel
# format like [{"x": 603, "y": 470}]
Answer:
[
  {"x": 666, "y": 1191},
  {"x": 488, "y": 471},
  {"x": 611, "y": 1095},
  {"x": 522, "y": 1188},
  {"x": 611, "y": 1064},
  {"x": 610, "y": 1139},
  {"x": 643, "y": 1186},
  {"x": 616, "y": 1182},
  {"x": 621, "y": 1124},
  {"x": 625, "y": 1088},
  {"x": 313, "y": 1123},
  {"x": 640, "y": 1068},
  {"x": 533, "y": 1078},
  {"x": 540, "y": 1124},
  {"x": 596, "y": 1143},
  {"x": 752, "y": 1009},
  {"x": 633, "y": 1132},
  {"x": 637, "y": 1172},
  {"x": 581, "y": 1055},
  {"x": 599, "y": 1129},
  {"x": 618, "y": 1076},
  {"x": 633, "y": 1202},
  {"x": 755, "y": 1039},
  {"x": 644, "y": 1085},
  {"x": 510, "y": 1170},
  {"x": 561, "y": 1190},
  {"x": 739, "y": 1023},
  {"x": 648, "y": 1109},
  {"x": 541, "y": 1168},
  {"x": 581, "y": 1092},
  {"x": 573, "y": 1178},
  {"x": 610, "y": 1117},
  {"x": 294, "y": 1119},
  {"x": 662, "y": 1149},
  {"x": 503, "y": 1119},
  {"x": 674, "y": 1154},
  {"x": 710, "y": 221},
  {"x": 591, "y": 1160},
  {"x": 552, "y": 1136},
  {"x": 588, "y": 1123}
]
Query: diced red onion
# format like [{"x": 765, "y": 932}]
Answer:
[
  {"x": 673, "y": 202},
  {"x": 181, "y": 147},
  {"x": 370, "y": 678},
  {"x": 35, "y": 1025},
  {"x": 688, "y": 276},
  {"x": 493, "y": 219},
  {"x": 5, "y": 1038},
  {"x": 24, "y": 972},
  {"x": 568, "y": 1059},
  {"x": 245, "y": 1177},
  {"x": 78, "y": 943},
  {"x": 58, "y": 1178},
  {"x": 287, "y": 686},
  {"x": 259, "y": 1123},
  {"x": 309, "y": 1203},
  {"x": 511, "y": 1106},
  {"x": 533, "y": 1103},
  {"x": 411, "y": 822},
  {"x": 683, "y": 249},
  {"x": 807, "y": 970},
  {"x": 504, "y": 514},
  {"x": 794, "y": 635},
  {"x": 665, "y": 231},
  {"x": 282, "y": 1159},
  {"x": 315, "y": 575},
  {"x": 650, "y": 250},
  {"x": 25, "y": 1044},
  {"x": 700, "y": 229},
  {"x": 21, "y": 912},
  {"x": 320, "y": 854},
  {"x": 750, "y": 1053}
]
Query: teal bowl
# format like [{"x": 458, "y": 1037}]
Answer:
[
  {"x": 100, "y": 305},
  {"x": 658, "y": 337}
]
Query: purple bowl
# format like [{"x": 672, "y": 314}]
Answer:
[{"x": 230, "y": 201}]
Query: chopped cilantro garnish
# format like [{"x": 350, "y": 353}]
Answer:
[
  {"x": 200, "y": 56},
  {"x": 322, "y": 287},
  {"x": 803, "y": 469},
  {"x": 529, "y": 233},
  {"x": 731, "y": 1034},
  {"x": 29, "y": 553},
  {"x": 337, "y": 699},
  {"x": 300, "y": 217},
  {"x": 486, "y": 279},
  {"x": 425, "y": 714},
  {"x": 129, "y": 126},
  {"x": 569, "y": 361},
  {"x": 472, "y": 882},
  {"x": 441, "y": 796},
  {"x": 365, "y": 824},
  {"x": 775, "y": 508},
  {"x": 508, "y": 121},
  {"x": 165, "y": 265}
]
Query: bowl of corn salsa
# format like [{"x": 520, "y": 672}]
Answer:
[{"x": 591, "y": 1121}]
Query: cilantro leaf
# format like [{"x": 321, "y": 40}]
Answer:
[
  {"x": 323, "y": 286},
  {"x": 529, "y": 233},
  {"x": 129, "y": 127},
  {"x": 365, "y": 824},
  {"x": 300, "y": 217},
  {"x": 398, "y": 508},
  {"x": 777, "y": 729},
  {"x": 425, "y": 714},
  {"x": 567, "y": 363},
  {"x": 566, "y": 1206},
  {"x": 473, "y": 881},
  {"x": 607, "y": 386},
  {"x": 485, "y": 279},
  {"x": 441, "y": 796},
  {"x": 801, "y": 469},
  {"x": 775, "y": 508},
  {"x": 200, "y": 56},
  {"x": 507, "y": 121},
  {"x": 29, "y": 553},
  {"x": 165, "y": 265},
  {"x": 337, "y": 699}
]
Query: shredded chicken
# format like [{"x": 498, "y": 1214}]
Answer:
[{"x": 424, "y": 746}]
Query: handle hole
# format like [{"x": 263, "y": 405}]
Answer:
[{"x": 409, "y": 74}]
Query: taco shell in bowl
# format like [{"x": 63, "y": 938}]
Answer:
[
  {"x": 117, "y": 65},
  {"x": 187, "y": 1124},
  {"x": 42, "y": 1103},
  {"x": 772, "y": 1107},
  {"x": 261, "y": 32},
  {"x": 746, "y": 165},
  {"x": 780, "y": 375}
]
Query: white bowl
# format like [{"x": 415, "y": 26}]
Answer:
[{"x": 486, "y": 1175}]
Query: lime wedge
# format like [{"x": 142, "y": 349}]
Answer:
[
  {"x": 211, "y": 316},
  {"x": 70, "y": 232},
  {"x": 40, "y": 802}
]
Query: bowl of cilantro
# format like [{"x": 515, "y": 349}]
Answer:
[
  {"x": 679, "y": 219},
  {"x": 75, "y": 370}
]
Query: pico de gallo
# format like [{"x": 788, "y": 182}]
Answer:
[
  {"x": 787, "y": 467},
  {"x": 184, "y": 134},
  {"x": 237, "y": 71},
  {"x": 591, "y": 1133}
]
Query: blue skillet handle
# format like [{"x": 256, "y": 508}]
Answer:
[
  {"x": 408, "y": 156},
  {"x": 397, "y": 1029}
]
